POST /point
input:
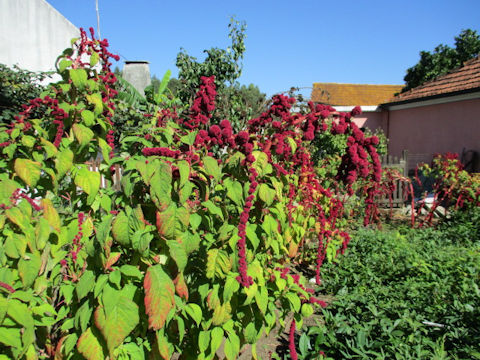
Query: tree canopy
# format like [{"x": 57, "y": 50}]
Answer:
[{"x": 443, "y": 59}]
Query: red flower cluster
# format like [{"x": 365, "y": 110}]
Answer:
[
  {"x": 18, "y": 194},
  {"x": 243, "y": 278},
  {"x": 203, "y": 105},
  {"x": 76, "y": 240},
  {"x": 161, "y": 151},
  {"x": 291, "y": 341}
]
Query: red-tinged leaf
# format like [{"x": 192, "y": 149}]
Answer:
[
  {"x": 116, "y": 321},
  {"x": 89, "y": 346},
  {"x": 166, "y": 222},
  {"x": 180, "y": 286},
  {"x": 159, "y": 296},
  {"x": 112, "y": 259}
]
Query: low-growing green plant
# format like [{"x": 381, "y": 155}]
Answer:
[{"x": 412, "y": 294}]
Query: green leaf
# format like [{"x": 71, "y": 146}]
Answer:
[
  {"x": 195, "y": 312},
  {"x": 234, "y": 191},
  {"x": 266, "y": 193},
  {"x": 83, "y": 134},
  {"x": 11, "y": 337},
  {"x": 172, "y": 222},
  {"x": 117, "y": 321},
  {"x": 132, "y": 271},
  {"x": 203, "y": 340},
  {"x": 184, "y": 169},
  {"x": 28, "y": 268},
  {"x": 88, "y": 117},
  {"x": 64, "y": 63},
  {"x": 212, "y": 168},
  {"x": 232, "y": 347},
  {"x": 78, "y": 77},
  {"x": 261, "y": 298},
  {"x": 19, "y": 312},
  {"x": 82, "y": 316},
  {"x": 89, "y": 181},
  {"x": 85, "y": 284},
  {"x": 217, "y": 339},
  {"x": 94, "y": 58},
  {"x": 230, "y": 288},
  {"x": 105, "y": 148},
  {"x": 49, "y": 148},
  {"x": 28, "y": 141},
  {"x": 250, "y": 333},
  {"x": 89, "y": 346},
  {"x": 164, "y": 82},
  {"x": 159, "y": 296},
  {"x": 294, "y": 301},
  {"x": 213, "y": 209},
  {"x": 120, "y": 229},
  {"x": 307, "y": 310},
  {"x": 96, "y": 100},
  {"x": 160, "y": 185},
  {"x": 64, "y": 162},
  {"x": 178, "y": 253},
  {"x": 29, "y": 171},
  {"x": 218, "y": 264},
  {"x": 50, "y": 214}
]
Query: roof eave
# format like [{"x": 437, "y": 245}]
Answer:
[{"x": 431, "y": 97}]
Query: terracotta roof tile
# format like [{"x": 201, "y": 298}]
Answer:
[
  {"x": 353, "y": 94},
  {"x": 464, "y": 78}
]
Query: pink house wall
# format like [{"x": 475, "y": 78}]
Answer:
[
  {"x": 371, "y": 120},
  {"x": 439, "y": 128}
]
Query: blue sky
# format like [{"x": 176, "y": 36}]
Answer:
[{"x": 289, "y": 43}]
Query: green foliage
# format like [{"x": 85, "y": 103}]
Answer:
[
  {"x": 17, "y": 87},
  {"x": 234, "y": 102},
  {"x": 443, "y": 59},
  {"x": 150, "y": 269},
  {"x": 388, "y": 290}
]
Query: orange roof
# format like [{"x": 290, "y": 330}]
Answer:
[
  {"x": 353, "y": 94},
  {"x": 465, "y": 78}
]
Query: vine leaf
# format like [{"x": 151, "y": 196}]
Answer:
[{"x": 159, "y": 296}]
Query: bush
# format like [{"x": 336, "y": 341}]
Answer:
[{"x": 192, "y": 250}]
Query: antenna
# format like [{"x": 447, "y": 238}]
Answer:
[{"x": 98, "y": 20}]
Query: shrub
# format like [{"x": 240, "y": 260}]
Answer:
[{"x": 195, "y": 247}]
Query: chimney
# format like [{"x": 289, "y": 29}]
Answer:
[{"x": 137, "y": 73}]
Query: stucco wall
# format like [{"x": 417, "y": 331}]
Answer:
[
  {"x": 371, "y": 120},
  {"x": 33, "y": 34},
  {"x": 439, "y": 128}
]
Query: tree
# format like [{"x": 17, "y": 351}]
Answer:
[
  {"x": 443, "y": 59},
  {"x": 17, "y": 87},
  {"x": 235, "y": 102}
]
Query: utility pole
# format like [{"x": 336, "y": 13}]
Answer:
[{"x": 98, "y": 20}]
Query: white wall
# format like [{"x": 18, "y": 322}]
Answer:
[{"x": 33, "y": 34}]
